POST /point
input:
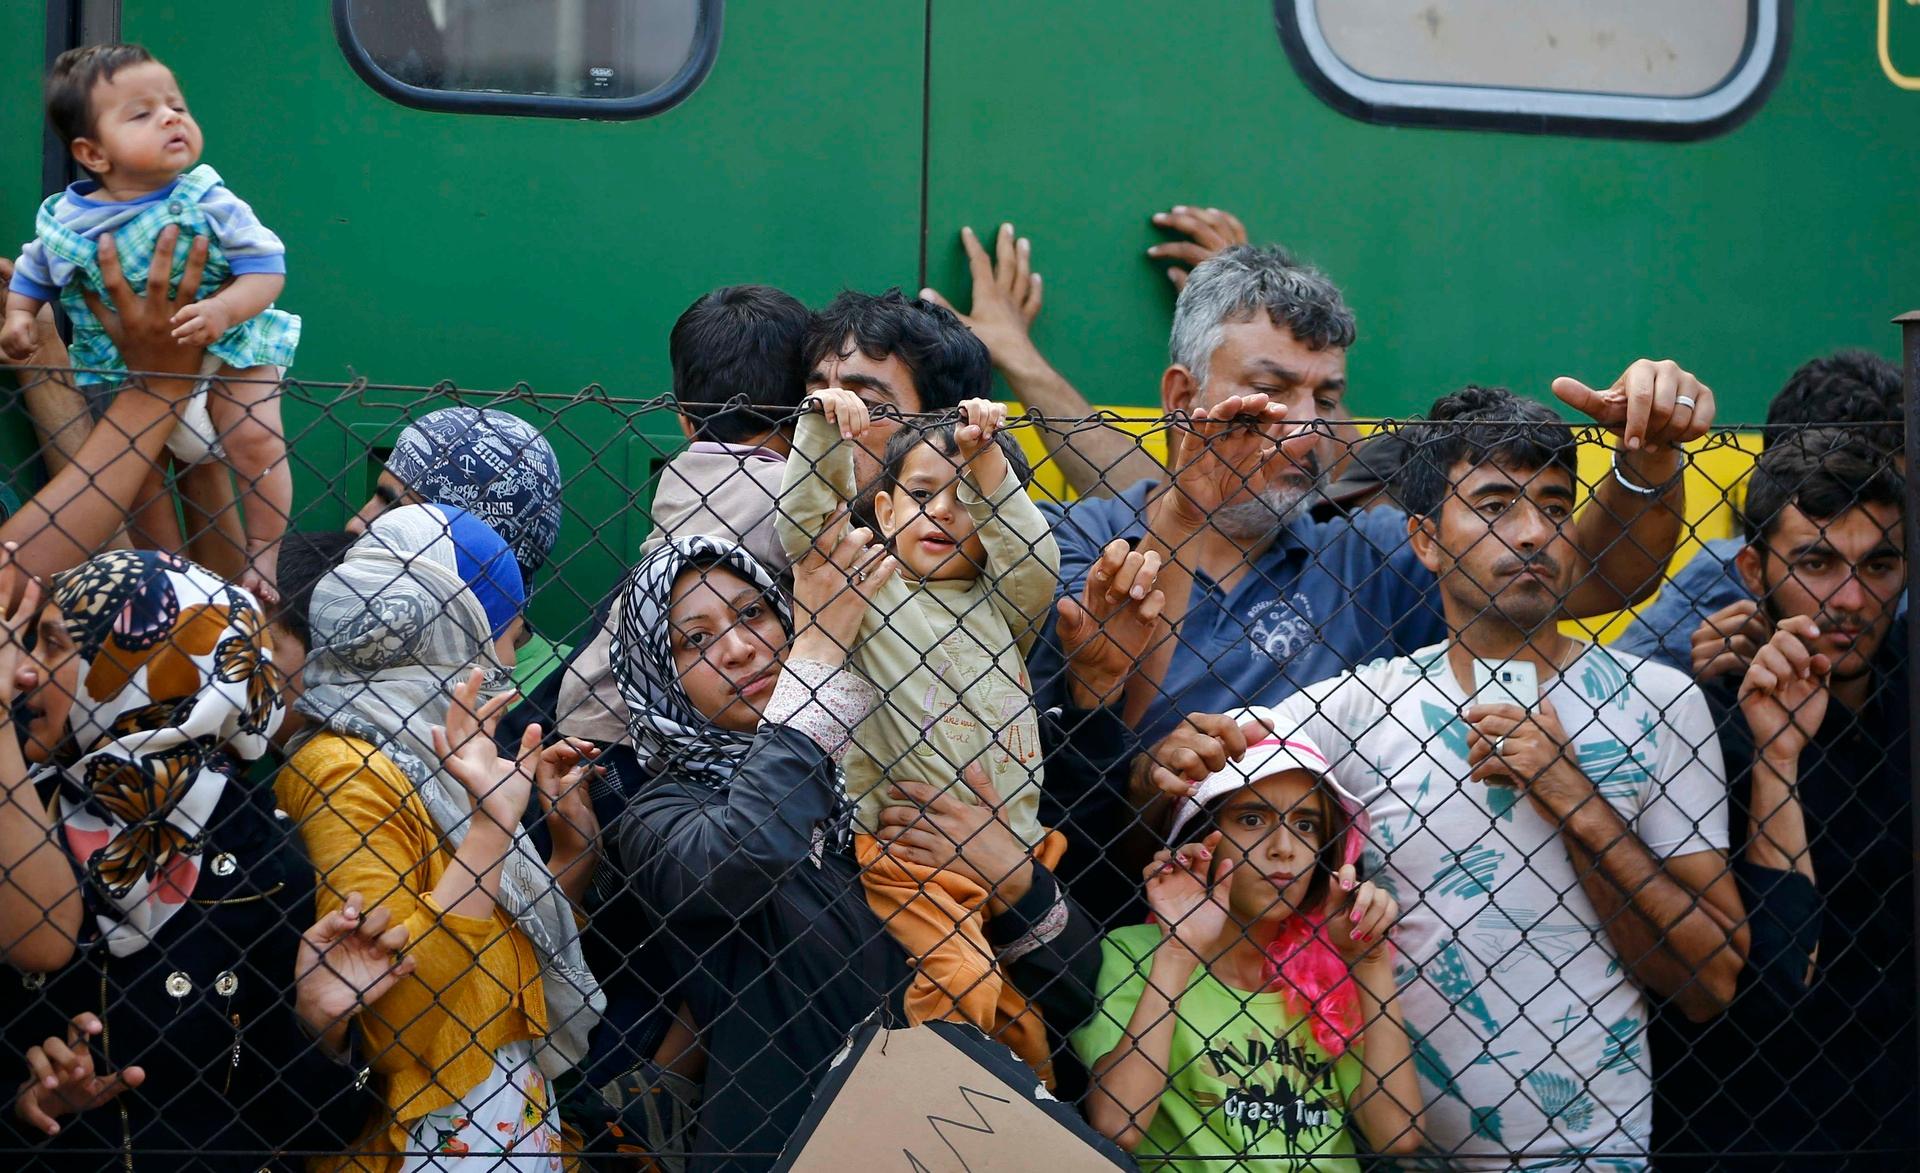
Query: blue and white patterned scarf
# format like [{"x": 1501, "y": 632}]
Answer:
[
  {"x": 666, "y": 729},
  {"x": 495, "y": 466}
]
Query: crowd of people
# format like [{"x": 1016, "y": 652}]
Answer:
[{"x": 1256, "y": 799}]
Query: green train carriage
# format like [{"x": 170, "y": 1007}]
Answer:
[{"x": 498, "y": 192}]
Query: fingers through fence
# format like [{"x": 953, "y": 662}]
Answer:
[{"x": 503, "y": 780}]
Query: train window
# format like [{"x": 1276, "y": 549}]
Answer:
[
  {"x": 559, "y": 58},
  {"x": 1636, "y": 68}
]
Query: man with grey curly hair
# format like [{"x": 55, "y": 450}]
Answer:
[
  {"x": 1233, "y": 289},
  {"x": 1263, "y": 599}
]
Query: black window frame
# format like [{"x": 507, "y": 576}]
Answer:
[
  {"x": 1525, "y": 111},
  {"x": 663, "y": 97}
]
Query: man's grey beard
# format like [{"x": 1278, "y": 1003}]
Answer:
[{"x": 1263, "y": 516}]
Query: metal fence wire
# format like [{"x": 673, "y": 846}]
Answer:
[{"x": 1452, "y": 799}]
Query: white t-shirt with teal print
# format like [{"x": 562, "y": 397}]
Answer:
[{"x": 1528, "y": 1037}]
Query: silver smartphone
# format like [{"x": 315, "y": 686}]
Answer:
[{"x": 1509, "y": 682}]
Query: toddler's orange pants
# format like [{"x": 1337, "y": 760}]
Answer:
[{"x": 939, "y": 919}]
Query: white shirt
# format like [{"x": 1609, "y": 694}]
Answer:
[{"x": 1528, "y": 1035}]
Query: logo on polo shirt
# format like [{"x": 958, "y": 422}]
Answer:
[{"x": 1282, "y": 628}]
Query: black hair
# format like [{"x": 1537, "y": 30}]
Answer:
[
  {"x": 948, "y": 363},
  {"x": 1480, "y": 425},
  {"x": 70, "y": 83},
  {"x": 1822, "y": 472},
  {"x": 739, "y": 342},
  {"x": 1373, "y": 460},
  {"x": 1326, "y": 860},
  {"x": 1845, "y": 387},
  {"x": 942, "y": 437},
  {"x": 305, "y": 559}
]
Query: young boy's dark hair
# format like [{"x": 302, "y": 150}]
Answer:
[
  {"x": 948, "y": 363},
  {"x": 305, "y": 559},
  {"x": 71, "y": 80},
  {"x": 1480, "y": 425},
  {"x": 942, "y": 437},
  {"x": 1823, "y": 472},
  {"x": 739, "y": 342}
]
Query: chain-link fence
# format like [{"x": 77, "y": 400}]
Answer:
[{"x": 1478, "y": 795}]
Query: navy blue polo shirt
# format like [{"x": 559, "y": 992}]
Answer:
[
  {"x": 1322, "y": 597},
  {"x": 1664, "y": 629}
]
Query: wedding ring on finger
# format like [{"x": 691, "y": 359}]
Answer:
[
  {"x": 1500, "y": 746},
  {"x": 1685, "y": 401}
]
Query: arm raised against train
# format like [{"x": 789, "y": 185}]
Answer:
[
  {"x": 1097, "y": 458},
  {"x": 1208, "y": 231}
]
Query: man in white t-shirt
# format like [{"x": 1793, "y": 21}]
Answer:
[{"x": 1557, "y": 866}]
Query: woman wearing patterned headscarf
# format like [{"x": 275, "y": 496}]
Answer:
[
  {"x": 735, "y": 834},
  {"x": 183, "y": 1030},
  {"x": 734, "y": 839},
  {"x": 401, "y": 792},
  {"x": 497, "y": 467}
]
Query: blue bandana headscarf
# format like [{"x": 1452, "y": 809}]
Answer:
[
  {"x": 486, "y": 564},
  {"x": 494, "y": 465}
]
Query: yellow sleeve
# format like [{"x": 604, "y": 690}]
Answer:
[
  {"x": 362, "y": 834},
  {"x": 817, "y": 484}
]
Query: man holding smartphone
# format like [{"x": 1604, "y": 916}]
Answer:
[{"x": 1559, "y": 860}]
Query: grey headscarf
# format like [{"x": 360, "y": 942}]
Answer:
[{"x": 395, "y": 627}]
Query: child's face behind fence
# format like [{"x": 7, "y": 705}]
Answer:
[
  {"x": 727, "y": 643},
  {"x": 143, "y": 135},
  {"x": 931, "y": 532},
  {"x": 1273, "y": 831}
]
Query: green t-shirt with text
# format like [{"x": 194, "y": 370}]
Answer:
[{"x": 1249, "y": 1081}]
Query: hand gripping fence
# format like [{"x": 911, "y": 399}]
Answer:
[{"x": 1467, "y": 796}]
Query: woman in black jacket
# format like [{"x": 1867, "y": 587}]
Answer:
[
  {"x": 736, "y": 839},
  {"x": 197, "y": 1027}
]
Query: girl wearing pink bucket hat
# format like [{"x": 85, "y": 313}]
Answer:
[{"x": 1256, "y": 1018}]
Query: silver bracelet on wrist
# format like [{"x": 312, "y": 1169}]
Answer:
[{"x": 1642, "y": 490}]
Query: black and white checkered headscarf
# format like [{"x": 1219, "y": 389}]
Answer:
[{"x": 667, "y": 731}]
